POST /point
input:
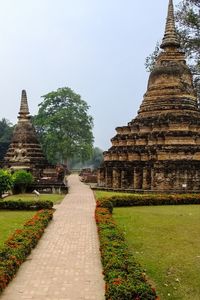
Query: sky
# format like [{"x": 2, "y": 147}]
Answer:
[{"x": 95, "y": 47}]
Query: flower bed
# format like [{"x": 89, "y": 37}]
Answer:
[
  {"x": 19, "y": 245},
  {"x": 125, "y": 279}
]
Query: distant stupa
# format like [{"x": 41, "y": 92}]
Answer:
[
  {"x": 160, "y": 148},
  {"x": 25, "y": 151}
]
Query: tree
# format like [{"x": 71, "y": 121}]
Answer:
[
  {"x": 6, "y": 131},
  {"x": 151, "y": 59},
  {"x": 188, "y": 21},
  {"x": 22, "y": 180},
  {"x": 5, "y": 181},
  {"x": 64, "y": 126}
]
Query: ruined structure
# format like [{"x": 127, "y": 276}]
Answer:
[
  {"x": 25, "y": 151},
  {"x": 160, "y": 148}
]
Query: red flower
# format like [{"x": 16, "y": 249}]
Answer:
[{"x": 117, "y": 281}]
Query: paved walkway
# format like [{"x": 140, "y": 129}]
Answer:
[{"x": 66, "y": 263}]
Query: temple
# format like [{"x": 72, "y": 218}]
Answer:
[
  {"x": 25, "y": 153},
  {"x": 159, "y": 150}
]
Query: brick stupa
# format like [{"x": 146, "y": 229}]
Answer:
[
  {"x": 25, "y": 151},
  {"x": 160, "y": 148}
]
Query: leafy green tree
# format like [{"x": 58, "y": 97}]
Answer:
[
  {"x": 6, "y": 131},
  {"x": 22, "y": 180},
  {"x": 188, "y": 21},
  {"x": 64, "y": 126},
  {"x": 5, "y": 181}
]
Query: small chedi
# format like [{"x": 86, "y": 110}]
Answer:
[
  {"x": 160, "y": 148},
  {"x": 25, "y": 152}
]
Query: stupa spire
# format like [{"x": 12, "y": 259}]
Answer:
[
  {"x": 170, "y": 38},
  {"x": 24, "y": 110}
]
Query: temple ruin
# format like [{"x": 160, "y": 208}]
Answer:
[
  {"x": 160, "y": 148},
  {"x": 25, "y": 153}
]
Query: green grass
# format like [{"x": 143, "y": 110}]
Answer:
[
  {"x": 12, "y": 220},
  {"x": 166, "y": 241},
  {"x": 55, "y": 198}
]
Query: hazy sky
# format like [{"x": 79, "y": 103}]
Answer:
[{"x": 96, "y": 47}]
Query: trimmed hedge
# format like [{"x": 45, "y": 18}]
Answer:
[
  {"x": 19, "y": 245},
  {"x": 25, "y": 205},
  {"x": 125, "y": 279},
  {"x": 147, "y": 200}
]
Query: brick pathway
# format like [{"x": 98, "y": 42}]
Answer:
[{"x": 66, "y": 263}]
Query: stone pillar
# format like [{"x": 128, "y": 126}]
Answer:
[
  {"x": 152, "y": 179},
  {"x": 186, "y": 179},
  {"x": 146, "y": 185},
  {"x": 123, "y": 180},
  {"x": 101, "y": 177},
  {"x": 177, "y": 180},
  {"x": 183, "y": 180},
  {"x": 196, "y": 185},
  {"x": 116, "y": 178},
  {"x": 108, "y": 178},
  {"x": 138, "y": 174},
  {"x": 133, "y": 178}
]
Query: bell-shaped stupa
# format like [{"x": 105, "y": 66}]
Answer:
[
  {"x": 160, "y": 148},
  {"x": 25, "y": 151}
]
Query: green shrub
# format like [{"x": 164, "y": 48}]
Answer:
[
  {"x": 22, "y": 180},
  {"x": 148, "y": 199},
  {"x": 104, "y": 202},
  {"x": 19, "y": 245},
  {"x": 25, "y": 205},
  {"x": 6, "y": 181}
]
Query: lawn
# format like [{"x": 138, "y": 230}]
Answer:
[
  {"x": 166, "y": 241},
  {"x": 11, "y": 220},
  {"x": 55, "y": 198}
]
